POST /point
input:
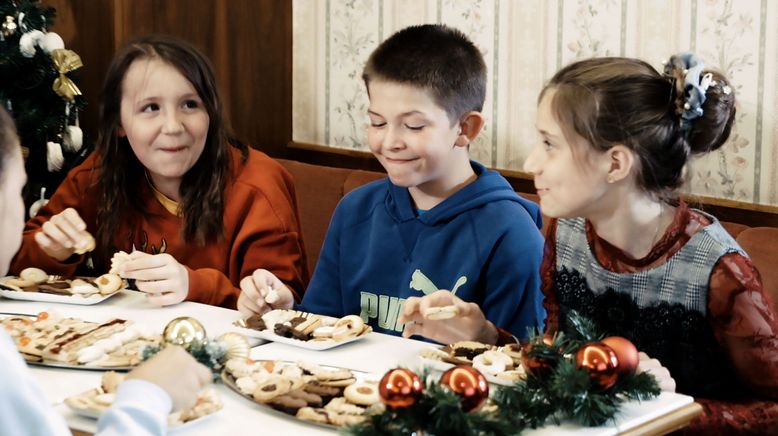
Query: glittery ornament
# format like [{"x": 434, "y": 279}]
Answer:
[
  {"x": 626, "y": 353},
  {"x": 184, "y": 331},
  {"x": 601, "y": 363},
  {"x": 235, "y": 344},
  {"x": 469, "y": 384},
  {"x": 8, "y": 27},
  {"x": 400, "y": 388}
]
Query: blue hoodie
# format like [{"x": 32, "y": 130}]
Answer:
[{"x": 483, "y": 243}]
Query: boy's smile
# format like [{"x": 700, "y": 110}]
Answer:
[{"x": 415, "y": 141}]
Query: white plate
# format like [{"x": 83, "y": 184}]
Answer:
[
  {"x": 308, "y": 345},
  {"x": 95, "y": 414},
  {"x": 51, "y": 364},
  {"x": 54, "y": 298},
  {"x": 441, "y": 366}
]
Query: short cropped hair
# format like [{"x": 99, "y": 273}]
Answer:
[{"x": 436, "y": 58}]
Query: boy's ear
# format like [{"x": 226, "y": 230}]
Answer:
[
  {"x": 470, "y": 126},
  {"x": 620, "y": 160}
]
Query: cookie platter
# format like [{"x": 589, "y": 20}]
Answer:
[
  {"x": 321, "y": 395},
  {"x": 51, "y": 339},
  {"x": 500, "y": 365},
  {"x": 34, "y": 284},
  {"x": 95, "y": 402},
  {"x": 304, "y": 329}
]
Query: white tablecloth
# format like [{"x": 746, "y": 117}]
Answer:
[{"x": 375, "y": 353}]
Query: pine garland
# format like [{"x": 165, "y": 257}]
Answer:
[{"x": 560, "y": 391}]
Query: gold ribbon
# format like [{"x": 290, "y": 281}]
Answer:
[{"x": 66, "y": 61}]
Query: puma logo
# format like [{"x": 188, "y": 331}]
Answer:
[{"x": 422, "y": 283}]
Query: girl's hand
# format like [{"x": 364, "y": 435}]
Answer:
[
  {"x": 261, "y": 292},
  {"x": 63, "y": 235},
  {"x": 655, "y": 368},
  {"x": 159, "y": 275},
  {"x": 468, "y": 324},
  {"x": 177, "y": 372}
]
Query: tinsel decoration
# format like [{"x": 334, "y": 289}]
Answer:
[{"x": 561, "y": 391}]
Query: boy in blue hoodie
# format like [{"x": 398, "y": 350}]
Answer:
[{"x": 441, "y": 229}]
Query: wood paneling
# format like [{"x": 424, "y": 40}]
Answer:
[{"x": 248, "y": 41}]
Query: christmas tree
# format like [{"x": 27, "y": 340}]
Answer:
[{"x": 37, "y": 87}]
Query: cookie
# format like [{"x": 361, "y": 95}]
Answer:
[
  {"x": 440, "y": 313},
  {"x": 326, "y": 392},
  {"x": 348, "y": 327},
  {"x": 492, "y": 362},
  {"x": 340, "y": 405},
  {"x": 338, "y": 383},
  {"x": 273, "y": 386},
  {"x": 109, "y": 283},
  {"x": 345, "y": 419},
  {"x": 339, "y": 374},
  {"x": 310, "y": 398},
  {"x": 117, "y": 262},
  {"x": 310, "y": 414},
  {"x": 287, "y": 404},
  {"x": 34, "y": 275},
  {"x": 362, "y": 394},
  {"x": 255, "y": 322}
]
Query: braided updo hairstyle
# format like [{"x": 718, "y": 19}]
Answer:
[{"x": 614, "y": 100}]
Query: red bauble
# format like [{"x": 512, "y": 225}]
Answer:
[
  {"x": 601, "y": 363},
  {"x": 537, "y": 366},
  {"x": 400, "y": 388},
  {"x": 469, "y": 384},
  {"x": 626, "y": 353}
]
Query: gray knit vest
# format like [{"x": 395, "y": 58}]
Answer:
[{"x": 663, "y": 309}]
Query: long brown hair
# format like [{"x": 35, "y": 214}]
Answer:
[
  {"x": 121, "y": 173},
  {"x": 613, "y": 100}
]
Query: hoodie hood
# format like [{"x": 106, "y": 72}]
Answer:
[{"x": 488, "y": 187}]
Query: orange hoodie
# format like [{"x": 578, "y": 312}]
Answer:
[{"x": 261, "y": 230}]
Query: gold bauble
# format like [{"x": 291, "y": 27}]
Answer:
[
  {"x": 184, "y": 331},
  {"x": 236, "y": 345}
]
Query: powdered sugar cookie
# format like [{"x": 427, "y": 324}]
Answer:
[
  {"x": 348, "y": 327},
  {"x": 440, "y": 313},
  {"x": 34, "y": 275},
  {"x": 117, "y": 261},
  {"x": 492, "y": 362},
  {"x": 317, "y": 415}
]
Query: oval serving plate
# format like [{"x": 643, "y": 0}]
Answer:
[
  {"x": 359, "y": 376},
  {"x": 13, "y": 293}
]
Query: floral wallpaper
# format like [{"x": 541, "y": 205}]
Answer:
[{"x": 524, "y": 43}]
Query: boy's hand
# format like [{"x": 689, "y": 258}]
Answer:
[
  {"x": 261, "y": 292},
  {"x": 159, "y": 275},
  {"x": 177, "y": 372},
  {"x": 468, "y": 324},
  {"x": 655, "y": 368},
  {"x": 64, "y": 234}
]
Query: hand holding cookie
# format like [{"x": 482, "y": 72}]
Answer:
[
  {"x": 177, "y": 372},
  {"x": 159, "y": 275},
  {"x": 443, "y": 317},
  {"x": 262, "y": 292},
  {"x": 64, "y": 235}
]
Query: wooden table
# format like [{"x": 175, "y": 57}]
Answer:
[{"x": 375, "y": 353}]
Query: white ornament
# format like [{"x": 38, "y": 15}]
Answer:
[
  {"x": 50, "y": 42},
  {"x": 28, "y": 41},
  {"x": 73, "y": 139},
  {"x": 54, "y": 157}
]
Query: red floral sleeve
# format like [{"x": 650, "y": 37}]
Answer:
[
  {"x": 547, "y": 270},
  {"x": 744, "y": 322}
]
